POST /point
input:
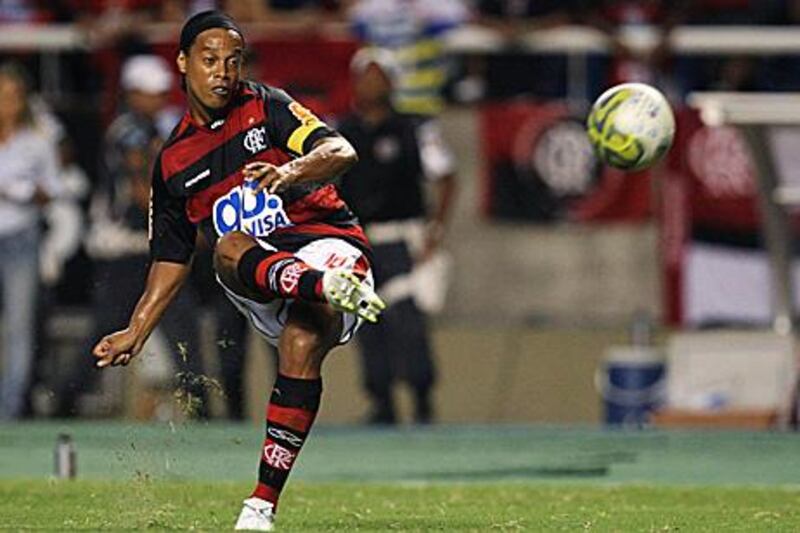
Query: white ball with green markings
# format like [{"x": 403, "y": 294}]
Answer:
[{"x": 631, "y": 126}]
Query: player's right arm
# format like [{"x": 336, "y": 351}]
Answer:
[
  {"x": 163, "y": 282},
  {"x": 172, "y": 240}
]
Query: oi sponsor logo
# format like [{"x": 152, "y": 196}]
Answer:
[{"x": 242, "y": 209}]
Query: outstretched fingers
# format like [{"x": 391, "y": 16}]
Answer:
[{"x": 264, "y": 175}]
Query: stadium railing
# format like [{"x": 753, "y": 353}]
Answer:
[{"x": 575, "y": 42}]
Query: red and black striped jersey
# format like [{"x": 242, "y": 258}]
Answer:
[{"x": 198, "y": 180}]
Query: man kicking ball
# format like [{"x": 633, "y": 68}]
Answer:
[{"x": 251, "y": 168}]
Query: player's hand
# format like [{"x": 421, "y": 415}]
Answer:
[
  {"x": 269, "y": 176},
  {"x": 116, "y": 349}
]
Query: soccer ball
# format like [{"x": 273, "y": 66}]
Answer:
[{"x": 631, "y": 126}]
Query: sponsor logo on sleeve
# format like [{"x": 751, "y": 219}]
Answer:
[
  {"x": 303, "y": 114},
  {"x": 308, "y": 123}
]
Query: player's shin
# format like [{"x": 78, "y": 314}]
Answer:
[
  {"x": 291, "y": 412},
  {"x": 280, "y": 274}
]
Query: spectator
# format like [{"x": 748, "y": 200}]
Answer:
[
  {"x": 659, "y": 66},
  {"x": 737, "y": 73},
  {"x": 412, "y": 30},
  {"x": 737, "y": 12},
  {"x": 64, "y": 217},
  {"x": 171, "y": 12},
  {"x": 62, "y": 274},
  {"x": 117, "y": 239},
  {"x": 515, "y": 70},
  {"x": 656, "y": 65},
  {"x": 28, "y": 180},
  {"x": 302, "y": 5},
  {"x": 245, "y": 10},
  {"x": 24, "y": 11},
  {"x": 523, "y": 14},
  {"x": 611, "y": 16},
  {"x": 302, "y": 11},
  {"x": 385, "y": 189}
]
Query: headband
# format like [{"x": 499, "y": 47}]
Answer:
[{"x": 205, "y": 20}]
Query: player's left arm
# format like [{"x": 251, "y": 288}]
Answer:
[
  {"x": 321, "y": 154},
  {"x": 329, "y": 157},
  {"x": 172, "y": 240}
]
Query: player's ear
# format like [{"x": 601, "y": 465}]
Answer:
[{"x": 181, "y": 61}]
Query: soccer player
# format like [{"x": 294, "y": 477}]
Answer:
[{"x": 250, "y": 168}]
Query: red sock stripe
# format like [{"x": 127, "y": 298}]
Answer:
[
  {"x": 291, "y": 417},
  {"x": 263, "y": 268},
  {"x": 265, "y": 492}
]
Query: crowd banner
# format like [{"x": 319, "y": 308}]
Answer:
[{"x": 539, "y": 167}]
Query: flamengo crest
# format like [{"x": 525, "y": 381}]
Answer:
[
  {"x": 255, "y": 139},
  {"x": 278, "y": 457}
]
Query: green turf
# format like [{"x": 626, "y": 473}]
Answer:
[
  {"x": 480, "y": 478},
  {"x": 201, "y": 452},
  {"x": 140, "y": 504}
]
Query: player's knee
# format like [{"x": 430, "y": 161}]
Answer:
[
  {"x": 229, "y": 250},
  {"x": 310, "y": 333},
  {"x": 322, "y": 320},
  {"x": 303, "y": 341},
  {"x": 301, "y": 351}
]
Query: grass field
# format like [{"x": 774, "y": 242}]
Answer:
[
  {"x": 350, "y": 506},
  {"x": 475, "y": 478}
]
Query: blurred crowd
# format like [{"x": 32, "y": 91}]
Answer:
[
  {"x": 124, "y": 25},
  {"x": 84, "y": 222},
  {"x": 539, "y": 11}
]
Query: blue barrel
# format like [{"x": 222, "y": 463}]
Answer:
[{"x": 631, "y": 383}]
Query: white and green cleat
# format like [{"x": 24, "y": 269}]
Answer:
[
  {"x": 348, "y": 294},
  {"x": 256, "y": 515}
]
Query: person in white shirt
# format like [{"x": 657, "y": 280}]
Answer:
[{"x": 28, "y": 181}]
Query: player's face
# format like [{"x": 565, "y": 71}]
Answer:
[{"x": 213, "y": 67}]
